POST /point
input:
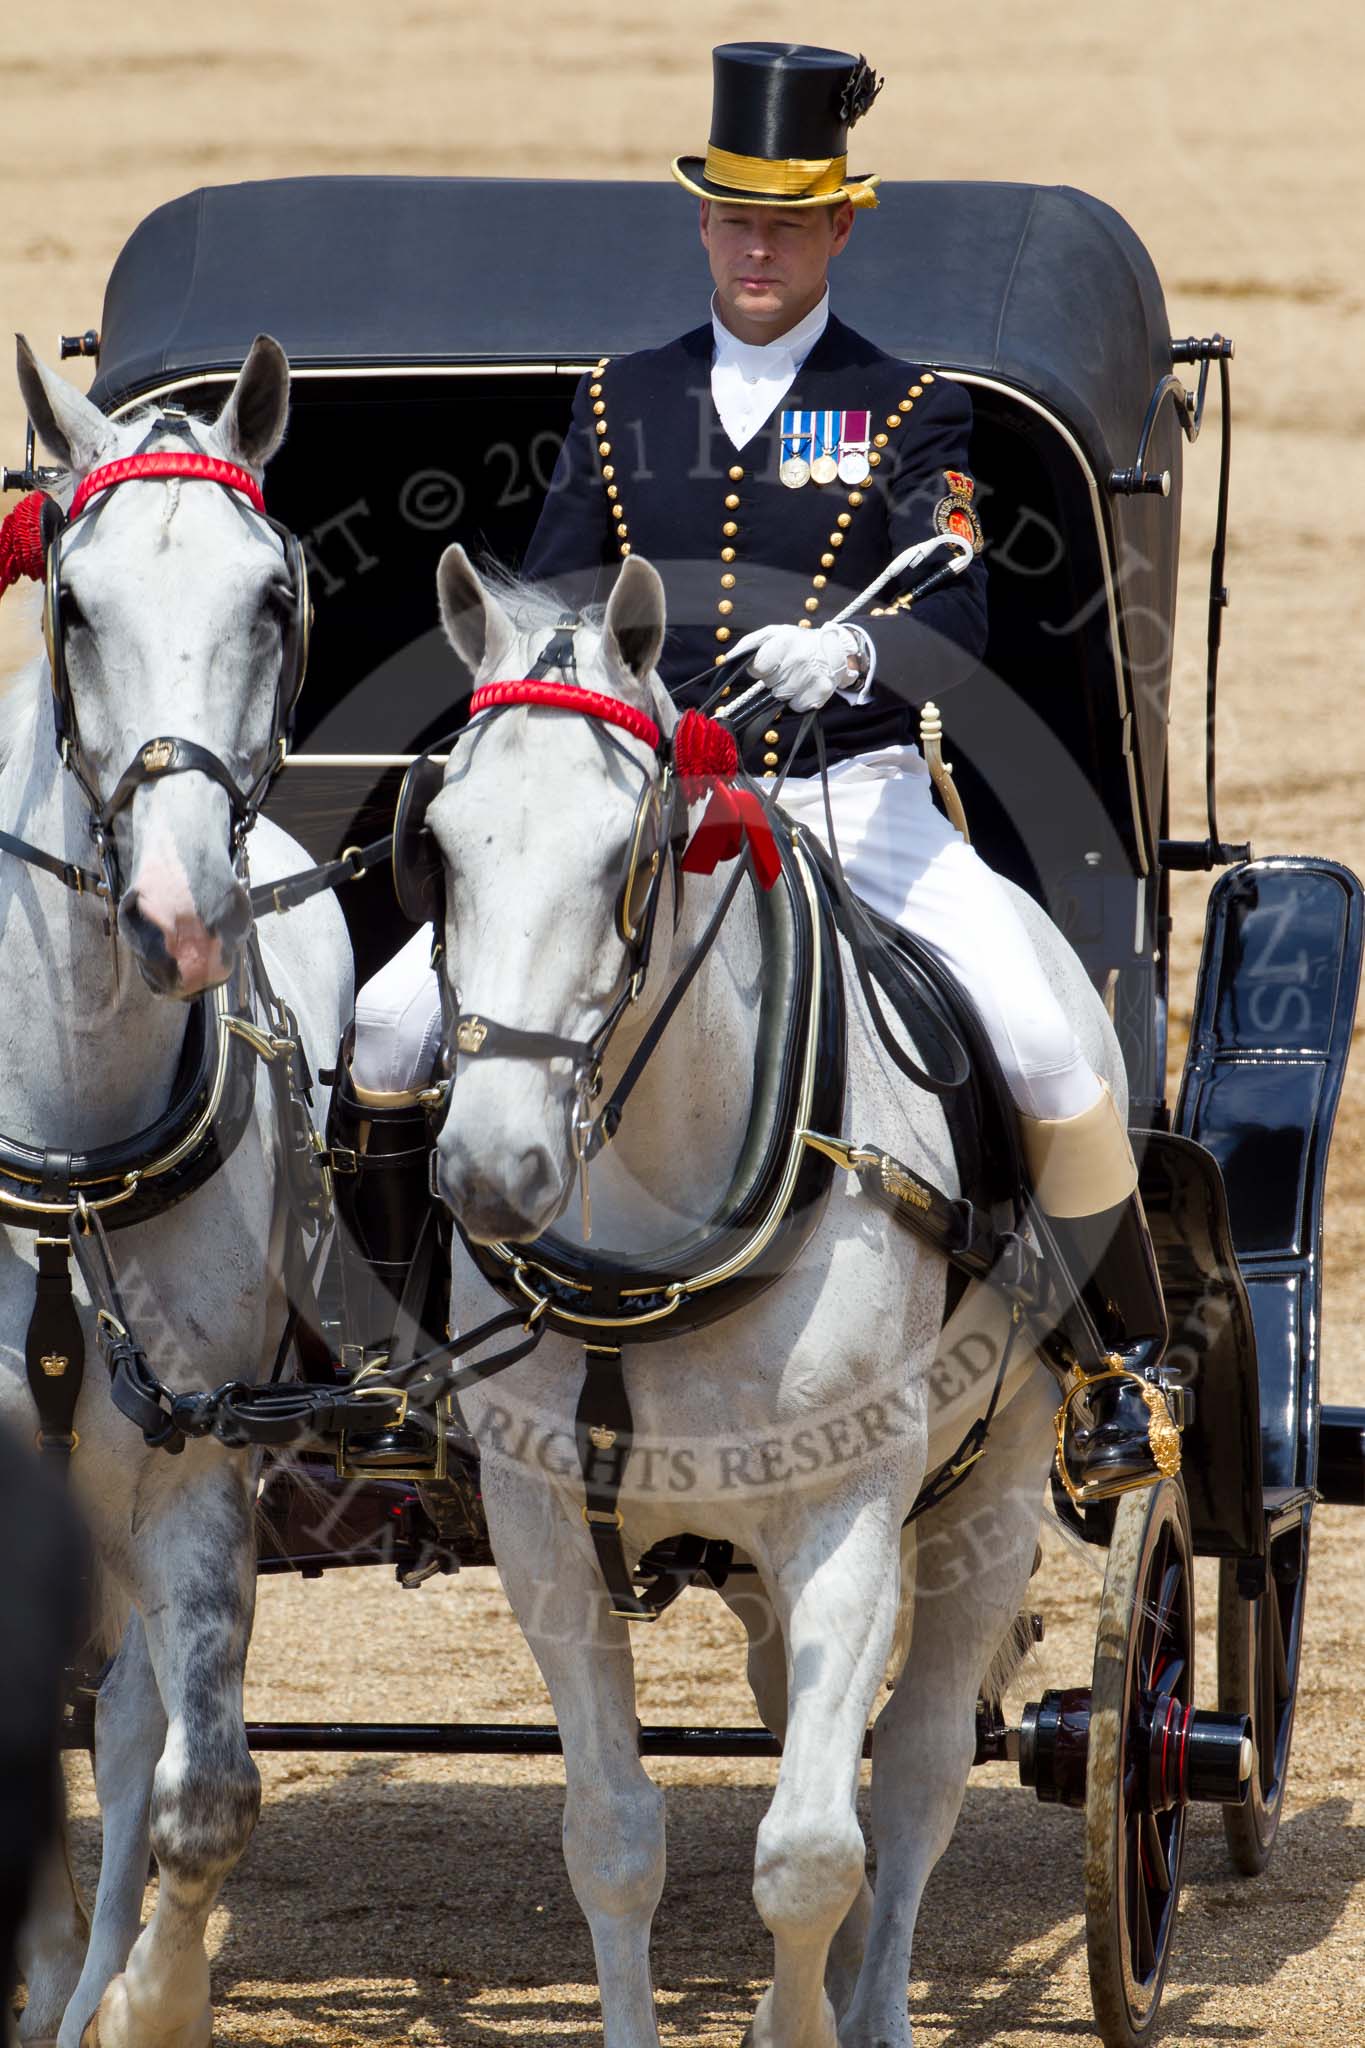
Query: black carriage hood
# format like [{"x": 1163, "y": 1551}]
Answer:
[{"x": 1043, "y": 287}]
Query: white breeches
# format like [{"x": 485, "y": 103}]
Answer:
[{"x": 905, "y": 860}]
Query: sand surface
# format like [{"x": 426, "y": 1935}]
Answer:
[{"x": 391, "y": 1902}]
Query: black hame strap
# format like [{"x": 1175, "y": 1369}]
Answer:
[
  {"x": 81, "y": 881},
  {"x": 54, "y": 1350},
  {"x": 605, "y": 1429},
  {"x": 291, "y": 890}
]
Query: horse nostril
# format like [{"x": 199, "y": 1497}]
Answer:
[{"x": 232, "y": 920}]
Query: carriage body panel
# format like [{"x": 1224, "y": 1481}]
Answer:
[{"x": 426, "y": 411}]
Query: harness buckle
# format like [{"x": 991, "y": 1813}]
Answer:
[{"x": 602, "y": 1518}]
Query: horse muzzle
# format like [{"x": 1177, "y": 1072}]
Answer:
[
  {"x": 178, "y": 951},
  {"x": 512, "y": 1199}
]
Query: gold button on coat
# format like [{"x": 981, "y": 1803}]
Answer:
[
  {"x": 727, "y": 554},
  {"x": 826, "y": 561},
  {"x": 881, "y": 439},
  {"x": 600, "y": 406},
  {"x": 729, "y": 527},
  {"x": 735, "y": 474},
  {"x": 812, "y": 604},
  {"x": 770, "y": 760},
  {"x": 855, "y": 497},
  {"x": 770, "y": 737},
  {"x": 726, "y": 606},
  {"x": 893, "y": 419},
  {"x": 731, "y": 500},
  {"x": 727, "y": 582},
  {"x": 607, "y": 471},
  {"x": 601, "y": 426},
  {"x": 917, "y": 391},
  {"x": 722, "y": 632},
  {"x": 594, "y": 390},
  {"x": 819, "y": 581},
  {"x": 845, "y": 519}
]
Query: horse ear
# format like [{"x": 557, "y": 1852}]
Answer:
[
  {"x": 633, "y": 627},
  {"x": 476, "y": 625},
  {"x": 67, "y": 423},
  {"x": 251, "y": 425}
]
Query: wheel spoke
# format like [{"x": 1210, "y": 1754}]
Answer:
[
  {"x": 1169, "y": 1677},
  {"x": 1155, "y": 1865},
  {"x": 1275, "y": 1618},
  {"x": 1144, "y": 1944}
]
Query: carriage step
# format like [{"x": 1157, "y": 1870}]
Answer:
[
  {"x": 1341, "y": 1456},
  {"x": 1271, "y": 1033}
]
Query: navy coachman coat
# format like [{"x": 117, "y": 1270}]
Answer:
[{"x": 647, "y": 467}]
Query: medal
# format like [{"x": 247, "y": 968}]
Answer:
[
  {"x": 854, "y": 442},
  {"x": 824, "y": 466},
  {"x": 794, "y": 469}
]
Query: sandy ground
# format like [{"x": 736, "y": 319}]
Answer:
[{"x": 394, "y": 1902}]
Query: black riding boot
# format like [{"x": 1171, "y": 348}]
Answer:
[
  {"x": 1115, "y": 1431},
  {"x": 379, "y": 1153}
]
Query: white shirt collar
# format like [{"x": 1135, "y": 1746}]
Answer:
[
  {"x": 755, "y": 359},
  {"x": 749, "y": 380}
]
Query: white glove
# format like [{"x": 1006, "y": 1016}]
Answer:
[{"x": 803, "y": 669}]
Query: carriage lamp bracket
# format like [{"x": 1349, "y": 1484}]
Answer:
[
  {"x": 87, "y": 344},
  {"x": 32, "y": 477},
  {"x": 1214, "y": 851}
]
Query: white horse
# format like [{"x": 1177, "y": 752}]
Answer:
[
  {"x": 800, "y": 1428},
  {"x": 173, "y": 623}
]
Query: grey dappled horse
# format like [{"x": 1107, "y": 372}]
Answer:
[
  {"x": 171, "y": 624},
  {"x": 799, "y": 1429}
]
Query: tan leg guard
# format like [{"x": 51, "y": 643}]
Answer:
[{"x": 1080, "y": 1165}]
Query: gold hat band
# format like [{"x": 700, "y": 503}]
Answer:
[
  {"x": 786, "y": 177},
  {"x": 797, "y": 177}
]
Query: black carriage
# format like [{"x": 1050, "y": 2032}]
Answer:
[{"x": 426, "y": 410}]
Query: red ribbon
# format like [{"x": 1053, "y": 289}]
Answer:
[
  {"x": 707, "y": 760},
  {"x": 21, "y": 542}
]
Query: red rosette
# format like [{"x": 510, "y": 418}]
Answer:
[
  {"x": 704, "y": 752},
  {"x": 21, "y": 542}
]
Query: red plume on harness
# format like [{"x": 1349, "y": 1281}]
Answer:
[
  {"x": 21, "y": 542},
  {"x": 706, "y": 761}
]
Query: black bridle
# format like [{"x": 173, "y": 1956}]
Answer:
[
  {"x": 659, "y": 829},
  {"x": 166, "y": 754}
]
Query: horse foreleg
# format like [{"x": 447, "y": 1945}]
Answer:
[
  {"x": 613, "y": 1812},
  {"x": 130, "y": 1731},
  {"x": 971, "y": 1560},
  {"x": 746, "y": 1596},
  {"x": 197, "y": 1569},
  {"x": 52, "y": 1944},
  {"x": 835, "y": 1582}
]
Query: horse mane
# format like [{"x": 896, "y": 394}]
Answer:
[
  {"x": 539, "y": 608},
  {"x": 533, "y": 607}
]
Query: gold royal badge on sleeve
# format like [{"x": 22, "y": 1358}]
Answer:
[{"x": 956, "y": 514}]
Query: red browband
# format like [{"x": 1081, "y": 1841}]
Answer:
[
  {"x": 705, "y": 757},
  {"x": 566, "y": 697},
  {"x": 166, "y": 462}
]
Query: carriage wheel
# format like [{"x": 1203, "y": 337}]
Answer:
[
  {"x": 1144, "y": 1673},
  {"x": 1259, "y": 1642}
]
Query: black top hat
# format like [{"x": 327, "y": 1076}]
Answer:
[{"x": 780, "y": 116}]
